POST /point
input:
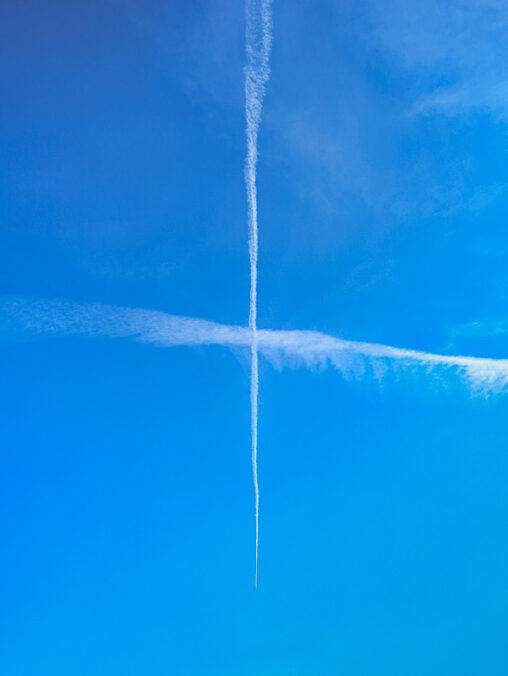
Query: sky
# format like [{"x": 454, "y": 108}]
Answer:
[{"x": 126, "y": 496}]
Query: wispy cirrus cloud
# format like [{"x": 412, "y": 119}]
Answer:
[
  {"x": 484, "y": 332},
  {"x": 397, "y": 137},
  {"x": 294, "y": 348},
  {"x": 456, "y": 47}
]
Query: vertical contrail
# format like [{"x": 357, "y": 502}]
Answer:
[{"x": 258, "y": 41}]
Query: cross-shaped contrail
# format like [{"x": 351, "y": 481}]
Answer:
[
  {"x": 308, "y": 348},
  {"x": 258, "y": 39}
]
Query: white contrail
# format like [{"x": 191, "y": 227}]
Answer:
[
  {"x": 258, "y": 37},
  {"x": 28, "y": 317}
]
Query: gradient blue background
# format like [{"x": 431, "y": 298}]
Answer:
[{"x": 126, "y": 500}]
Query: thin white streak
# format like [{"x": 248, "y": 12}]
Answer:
[
  {"x": 258, "y": 36},
  {"x": 31, "y": 317}
]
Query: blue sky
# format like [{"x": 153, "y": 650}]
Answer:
[{"x": 126, "y": 495}]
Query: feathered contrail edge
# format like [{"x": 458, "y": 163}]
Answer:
[{"x": 21, "y": 316}]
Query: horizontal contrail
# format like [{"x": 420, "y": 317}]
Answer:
[{"x": 40, "y": 317}]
